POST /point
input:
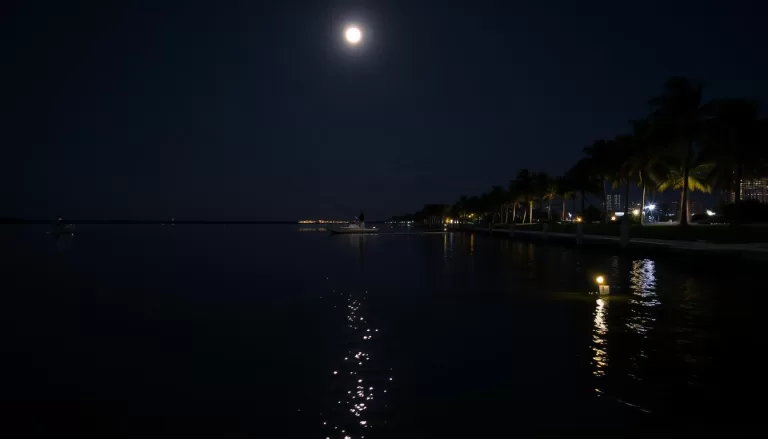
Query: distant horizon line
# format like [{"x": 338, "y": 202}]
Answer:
[{"x": 11, "y": 220}]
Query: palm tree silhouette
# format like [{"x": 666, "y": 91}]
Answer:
[{"x": 678, "y": 120}]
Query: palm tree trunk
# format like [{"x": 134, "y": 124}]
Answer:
[
  {"x": 684, "y": 197},
  {"x": 563, "y": 215},
  {"x": 605, "y": 204},
  {"x": 573, "y": 204},
  {"x": 530, "y": 216},
  {"x": 626, "y": 202},
  {"x": 514, "y": 211},
  {"x": 525, "y": 213},
  {"x": 737, "y": 194},
  {"x": 549, "y": 210},
  {"x": 642, "y": 202}
]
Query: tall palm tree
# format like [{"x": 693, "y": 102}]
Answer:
[
  {"x": 497, "y": 199},
  {"x": 624, "y": 150},
  {"x": 526, "y": 187},
  {"x": 606, "y": 160},
  {"x": 541, "y": 184},
  {"x": 678, "y": 120},
  {"x": 582, "y": 180},
  {"x": 550, "y": 192},
  {"x": 731, "y": 144},
  {"x": 637, "y": 153},
  {"x": 514, "y": 198},
  {"x": 459, "y": 209},
  {"x": 564, "y": 191}
]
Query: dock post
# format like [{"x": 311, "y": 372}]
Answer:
[{"x": 579, "y": 233}]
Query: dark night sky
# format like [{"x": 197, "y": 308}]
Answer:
[{"x": 257, "y": 110}]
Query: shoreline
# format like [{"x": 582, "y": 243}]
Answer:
[{"x": 756, "y": 252}]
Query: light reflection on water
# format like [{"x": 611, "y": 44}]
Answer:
[
  {"x": 600, "y": 339},
  {"x": 621, "y": 370},
  {"x": 361, "y": 382},
  {"x": 643, "y": 296}
]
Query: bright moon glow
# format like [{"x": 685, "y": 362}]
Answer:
[{"x": 353, "y": 35}]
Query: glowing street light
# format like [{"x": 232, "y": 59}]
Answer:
[
  {"x": 603, "y": 289},
  {"x": 651, "y": 207},
  {"x": 636, "y": 212}
]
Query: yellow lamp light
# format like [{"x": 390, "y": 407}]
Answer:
[{"x": 604, "y": 290}]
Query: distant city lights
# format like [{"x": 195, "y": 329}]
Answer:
[{"x": 323, "y": 222}]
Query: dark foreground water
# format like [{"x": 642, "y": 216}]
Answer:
[{"x": 276, "y": 331}]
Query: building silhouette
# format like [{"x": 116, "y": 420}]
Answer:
[{"x": 755, "y": 189}]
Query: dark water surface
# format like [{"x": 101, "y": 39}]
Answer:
[{"x": 274, "y": 331}]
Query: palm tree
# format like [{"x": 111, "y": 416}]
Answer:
[
  {"x": 678, "y": 119},
  {"x": 496, "y": 200},
  {"x": 514, "y": 197},
  {"x": 676, "y": 179},
  {"x": 731, "y": 144},
  {"x": 541, "y": 182},
  {"x": 550, "y": 192},
  {"x": 624, "y": 150},
  {"x": 459, "y": 209},
  {"x": 582, "y": 180},
  {"x": 606, "y": 159},
  {"x": 564, "y": 192},
  {"x": 526, "y": 188}
]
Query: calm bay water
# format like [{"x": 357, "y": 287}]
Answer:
[{"x": 240, "y": 331}]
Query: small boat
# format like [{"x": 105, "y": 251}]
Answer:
[
  {"x": 62, "y": 229},
  {"x": 352, "y": 228}
]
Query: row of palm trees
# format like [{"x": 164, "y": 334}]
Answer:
[{"x": 684, "y": 144}]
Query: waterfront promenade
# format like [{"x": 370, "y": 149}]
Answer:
[{"x": 744, "y": 251}]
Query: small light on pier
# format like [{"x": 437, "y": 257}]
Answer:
[{"x": 603, "y": 289}]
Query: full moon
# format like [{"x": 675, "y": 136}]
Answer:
[{"x": 353, "y": 35}]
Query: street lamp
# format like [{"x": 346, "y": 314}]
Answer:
[
  {"x": 604, "y": 290},
  {"x": 651, "y": 208}
]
